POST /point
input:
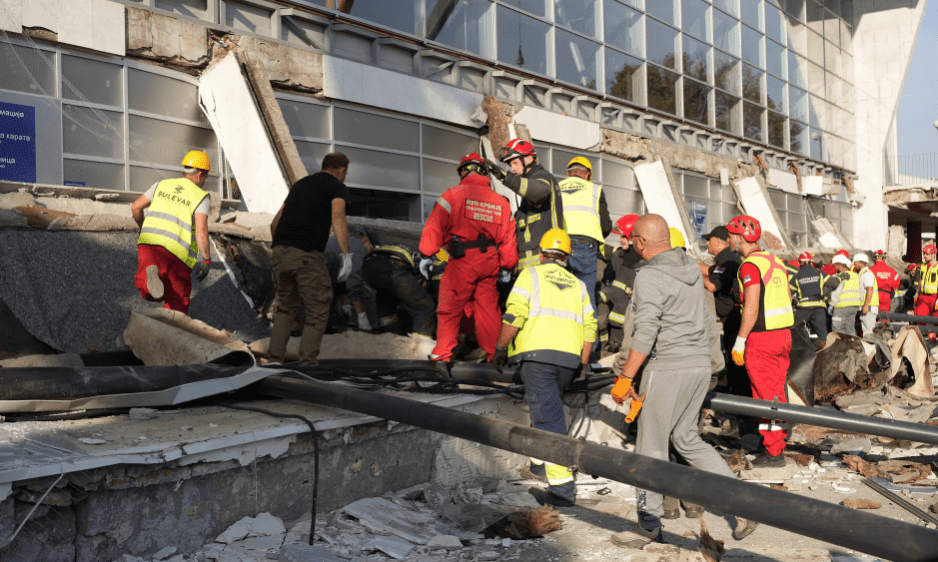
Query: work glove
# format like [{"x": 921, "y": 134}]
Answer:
[
  {"x": 621, "y": 389},
  {"x": 496, "y": 170},
  {"x": 346, "y": 269},
  {"x": 200, "y": 271},
  {"x": 504, "y": 276},
  {"x": 424, "y": 267},
  {"x": 739, "y": 351},
  {"x": 363, "y": 323},
  {"x": 830, "y": 310},
  {"x": 500, "y": 357}
]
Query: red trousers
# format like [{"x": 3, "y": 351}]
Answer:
[
  {"x": 925, "y": 305},
  {"x": 767, "y": 364},
  {"x": 885, "y": 302},
  {"x": 466, "y": 282},
  {"x": 175, "y": 275}
]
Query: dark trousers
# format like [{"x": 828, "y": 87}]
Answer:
[
  {"x": 543, "y": 390},
  {"x": 397, "y": 285},
  {"x": 816, "y": 317},
  {"x": 736, "y": 376}
]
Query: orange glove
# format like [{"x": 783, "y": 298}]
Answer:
[
  {"x": 633, "y": 411},
  {"x": 739, "y": 351},
  {"x": 621, "y": 389}
]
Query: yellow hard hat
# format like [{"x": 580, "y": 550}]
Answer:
[
  {"x": 556, "y": 239},
  {"x": 677, "y": 239},
  {"x": 197, "y": 159},
  {"x": 579, "y": 160},
  {"x": 442, "y": 255}
]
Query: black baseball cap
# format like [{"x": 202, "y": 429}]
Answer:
[{"x": 720, "y": 232}]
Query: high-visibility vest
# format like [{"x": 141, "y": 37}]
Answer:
[
  {"x": 169, "y": 221},
  {"x": 581, "y": 208},
  {"x": 850, "y": 293},
  {"x": 552, "y": 309},
  {"x": 928, "y": 279},
  {"x": 874, "y": 300},
  {"x": 809, "y": 283},
  {"x": 403, "y": 253},
  {"x": 775, "y": 310}
]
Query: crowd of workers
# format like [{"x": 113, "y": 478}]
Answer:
[{"x": 529, "y": 283}]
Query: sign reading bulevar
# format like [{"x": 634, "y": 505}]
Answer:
[{"x": 17, "y": 142}]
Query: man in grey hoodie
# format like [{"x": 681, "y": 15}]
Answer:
[{"x": 671, "y": 334}]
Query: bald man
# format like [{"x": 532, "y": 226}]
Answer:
[{"x": 671, "y": 334}]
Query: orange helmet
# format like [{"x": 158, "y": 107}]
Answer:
[
  {"x": 747, "y": 227},
  {"x": 625, "y": 225}
]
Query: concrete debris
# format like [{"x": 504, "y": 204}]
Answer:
[
  {"x": 306, "y": 553},
  {"x": 91, "y": 440},
  {"x": 139, "y": 414},
  {"x": 266, "y": 524},
  {"x": 53, "y": 360},
  {"x": 447, "y": 542},
  {"x": 164, "y": 553},
  {"x": 160, "y": 336},
  {"x": 861, "y": 504},
  {"x": 235, "y": 532},
  {"x": 395, "y": 547},
  {"x": 363, "y": 345},
  {"x": 852, "y": 446},
  {"x": 385, "y": 515}
]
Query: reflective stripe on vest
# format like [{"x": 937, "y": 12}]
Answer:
[
  {"x": 850, "y": 292},
  {"x": 928, "y": 279},
  {"x": 874, "y": 300},
  {"x": 622, "y": 286},
  {"x": 616, "y": 317},
  {"x": 581, "y": 208},
  {"x": 396, "y": 251},
  {"x": 169, "y": 219},
  {"x": 775, "y": 296}
]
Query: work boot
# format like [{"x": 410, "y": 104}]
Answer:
[
  {"x": 765, "y": 460},
  {"x": 637, "y": 538},
  {"x": 744, "y": 528},
  {"x": 154, "y": 283}
]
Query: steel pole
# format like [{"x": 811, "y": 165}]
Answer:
[
  {"x": 849, "y": 528},
  {"x": 896, "y": 317}
]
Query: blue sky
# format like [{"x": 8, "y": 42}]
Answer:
[{"x": 918, "y": 106}]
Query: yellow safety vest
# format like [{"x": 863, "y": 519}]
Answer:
[
  {"x": 581, "y": 208},
  {"x": 874, "y": 301},
  {"x": 850, "y": 293},
  {"x": 928, "y": 279},
  {"x": 775, "y": 310},
  {"x": 400, "y": 252},
  {"x": 552, "y": 309},
  {"x": 169, "y": 219}
]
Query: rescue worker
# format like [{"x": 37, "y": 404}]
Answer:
[
  {"x": 392, "y": 271},
  {"x": 764, "y": 339},
  {"x": 586, "y": 216},
  {"x": 541, "y": 208},
  {"x": 548, "y": 327},
  {"x": 887, "y": 281},
  {"x": 670, "y": 340},
  {"x": 925, "y": 300},
  {"x": 353, "y": 297},
  {"x": 618, "y": 278},
  {"x": 474, "y": 224},
  {"x": 846, "y": 300},
  {"x": 810, "y": 296},
  {"x": 720, "y": 279},
  {"x": 829, "y": 269},
  {"x": 869, "y": 293},
  {"x": 173, "y": 234}
]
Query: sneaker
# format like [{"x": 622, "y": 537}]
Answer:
[
  {"x": 744, "y": 528},
  {"x": 527, "y": 474},
  {"x": 154, "y": 283},
  {"x": 765, "y": 460},
  {"x": 637, "y": 538},
  {"x": 693, "y": 512},
  {"x": 671, "y": 514}
]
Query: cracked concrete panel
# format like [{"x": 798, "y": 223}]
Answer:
[
  {"x": 166, "y": 39},
  {"x": 41, "y": 13},
  {"x": 76, "y": 25},
  {"x": 658, "y": 194},
  {"x": 294, "y": 68},
  {"x": 548, "y": 126},
  {"x": 756, "y": 202},
  {"x": 11, "y": 16}
]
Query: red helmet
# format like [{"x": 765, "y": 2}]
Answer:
[
  {"x": 879, "y": 255},
  {"x": 516, "y": 148},
  {"x": 473, "y": 162},
  {"x": 805, "y": 257},
  {"x": 747, "y": 227},
  {"x": 911, "y": 267},
  {"x": 930, "y": 249},
  {"x": 625, "y": 225},
  {"x": 843, "y": 253}
]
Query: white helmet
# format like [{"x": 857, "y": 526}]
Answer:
[
  {"x": 842, "y": 260},
  {"x": 861, "y": 257}
]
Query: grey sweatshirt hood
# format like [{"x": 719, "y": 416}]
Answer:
[{"x": 676, "y": 264}]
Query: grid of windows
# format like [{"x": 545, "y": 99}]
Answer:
[{"x": 709, "y": 204}]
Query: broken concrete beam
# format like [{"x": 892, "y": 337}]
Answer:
[
  {"x": 166, "y": 39},
  {"x": 56, "y": 360},
  {"x": 160, "y": 336},
  {"x": 361, "y": 345},
  {"x": 295, "y": 68},
  {"x": 861, "y": 504}
]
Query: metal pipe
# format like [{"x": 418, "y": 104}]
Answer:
[
  {"x": 822, "y": 417},
  {"x": 901, "y": 502},
  {"x": 896, "y": 317},
  {"x": 805, "y": 516}
]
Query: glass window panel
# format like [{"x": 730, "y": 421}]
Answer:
[
  {"x": 381, "y": 169},
  {"x": 815, "y": 48},
  {"x": 438, "y": 176},
  {"x": 752, "y": 121},
  {"x": 696, "y": 102},
  {"x": 662, "y": 44},
  {"x": 376, "y": 130},
  {"x": 798, "y": 136},
  {"x": 797, "y": 70},
  {"x": 797, "y": 36},
  {"x": 98, "y": 175},
  {"x": 92, "y": 132},
  {"x": 725, "y": 33},
  {"x": 623, "y": 76},
  {"x": 536, "y": 7},
  {"x": 448, "y": 144},
  {"x": 164, "y": 96},
  {"x": 833, "y": 5},
  {"x": 831, "y": 58},
  {"x": 305, "y": 119},
  {"x": 727, "y": 114},
  {"x": 777, "y": 124},
  {"x": 695, "y": 186},
  {"x": 27, "y": 70},
  {"x": 726, "y": 73},
  {"x": 795, "y": 8},
  {"x": 752, "y": 84},
  {"x": 728, "y": 196},
  {"x": 92, "y": 81},
  {"x": 815, "y": 17},
  {"x": 695, "y": 19},
  {"x": 617, "y": 174},
  {"x": 312, "y": 153},
  {"x": 624, "y": 28},
  {"x": 774, "y": 24},
  {"x": 775, "y": 94},
  {"x": 523, "y": 41},
  {"x": 834, "y": 89},
  {"x": 470, "y": 27},
  {"x": 815, "y": 79},
  {"x": 729, "y": 6},
  {"x": 559, "y": 160},
  {"x": 846, "y": 11},
  {"x": 162, "y": 142},
  {"x": 661, "y": 89},
  {"x": 696, "y": 62},
  {"x": 752, "y": 13},
  {"x": 191, "y": 8},
  {"x": 664, "y": 10},
  {"x": 832, "y": 28},
  {"x": 775, "y": 58},
  {"x": 622, "y": 201},
  {"x": 798, "y": 103},
  {"x": 577, "y": 59},
  {"x": 381, "y": 204},
  {"x": 818, "y": 150},
  {"x": 752, "y": 46},
  {"x": 142, "y": 179},
  {"x": 579, "y": 15},
  {"x": 257, "y": 20}
]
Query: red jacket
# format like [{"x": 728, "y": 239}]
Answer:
[
  {"x": 887, "y": 279},
  {"x": 828, "y": 269},
  {"x": 468, "y": 210}
]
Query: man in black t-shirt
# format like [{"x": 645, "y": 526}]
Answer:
[
  {"x": 300, "y": 232},
  {"x": 720, "y": 279}
]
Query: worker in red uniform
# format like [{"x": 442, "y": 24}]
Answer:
[
  {"x": 887, "y": 279},
  {"x": 927, "y": 283},
  {"x": 828, "y": 268},
  {"x": 474, "y": 224},
  {"x": 764, "y": 339}
]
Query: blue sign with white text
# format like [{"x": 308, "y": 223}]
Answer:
[
  {"x": 698, "y": 217},
  {"x": 17, "y": 142}
]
